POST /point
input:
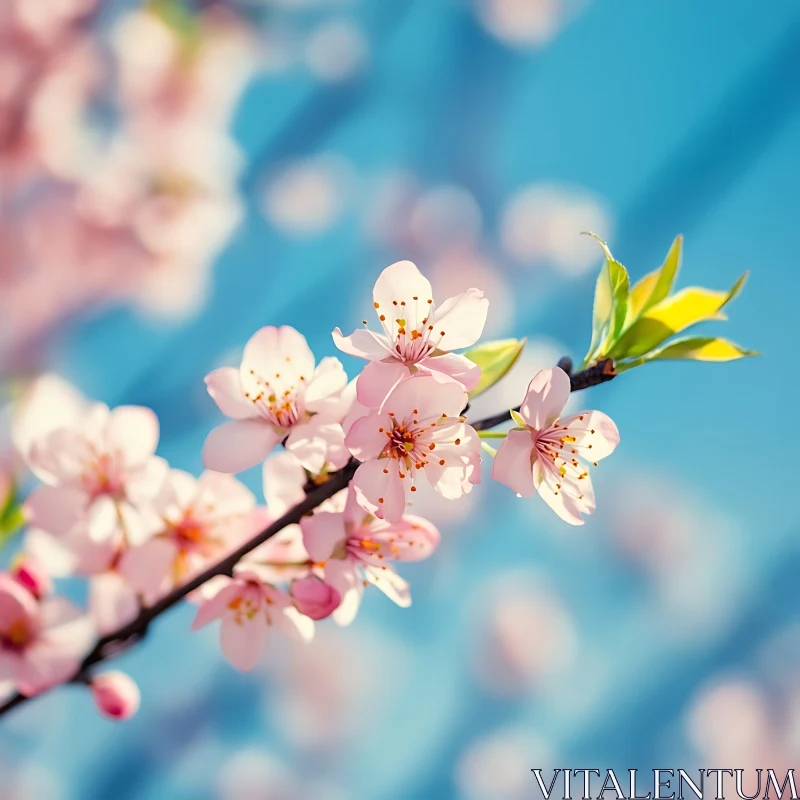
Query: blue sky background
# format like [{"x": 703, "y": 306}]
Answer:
[{"x": 683, "y": 117}]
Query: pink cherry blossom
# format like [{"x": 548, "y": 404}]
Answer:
[
  {"x": 202, "y": 520},
  {"x": 277, "y": 393},
  {"x": 551, "y": 455},
  {"x": 313, "y": 597},
  {"x": 112, "y": 600},
  {"x": 100, "y": 473},
  {"x": 115, "y": 694},
  {"x": 248, "y": 609},
  {"x": 43, "y": 642},
  {"x": 417, "y": 335},
  {"x": 352, "y": 548},
  {"x": 417, "y": 431}
]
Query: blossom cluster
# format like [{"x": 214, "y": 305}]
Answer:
[
  {"x": 118, "y": 170},
  {"x": 110, "y": 510}
]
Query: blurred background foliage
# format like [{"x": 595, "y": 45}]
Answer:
[{"x": 177, "y": 174}]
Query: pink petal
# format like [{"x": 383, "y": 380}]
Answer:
[
  {"x": 112, "y": 602},
  {"x": 55, "y": 509},
  {"x": 145, "y": 481},
  {"x": 593, "y": 428},
  {"x": 148, "y": 568},
  {"x": 54, "y": 554},
  {"x": 454, "y": 366},
  {"x": 326, "y": 385},
  {"x": 283, "y": 482},
  {"x": 238, "y": 445},
  {"x": 227, "y": 589},
  {"x": 56, "y": 654},
  {"x": 276, "y": 350},
  {"x": 344, "y": 577},
  {"x": 391, "y": 584},
  {"x": 462, "y": 319},
  {"x": 546, "y": 397},
  {"x": 316, "y": 442},
  {"x": 567, "y": 497},
  {"x": 133, "y": 430},
  {"x": 512, "y": 464},
  {"x": 377, "y": 380},
  {"x": 225, "y": 388},
  {"x": 451, "y": 479},
  {"x": 243, "y": 640},
  {"x": 362, "y": 343},
  {"x": 291, "y": 623},
  {"x": 400, "y": 283},
  {"x": 365, "y": 439},
  {"x": 102, "y": 521},
  {"x": 322, "y": 531},
  {"x": 424, "y": 397},
  {"x": 178, "y": 491},
  {"x": 380, "y": 488},
  {"x": 227, "y": 495},
  {"x": 47, "y": 404},
  {"x": 16, "y": 602},
  {"x": 414, "y": 537}
]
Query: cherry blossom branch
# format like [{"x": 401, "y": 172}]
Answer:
[
  {"x": 601, "y": 372},
  {"x": 119, "y": 640}
]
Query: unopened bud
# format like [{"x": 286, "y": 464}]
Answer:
[
  {"x": 29, "y": 574},
  {"x": 115, "y": 694},
  {"x": 314, "y": 598}
]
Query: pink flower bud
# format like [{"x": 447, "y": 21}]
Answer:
[
  {"x": 314, "y": 598},
  {"x": 29, "y": 574},
  {"x": 115, "y": 694}
]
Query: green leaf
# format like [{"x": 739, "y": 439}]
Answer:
[
  {"x": 519, "y": 420},
  {"x": 495, "y": 359},
  {"x": 653, "y": 288},
  {"x": 182, "y": 21},
  {"x": 693, "y": 348},
  {"x": 610, "y": 303},
  {"x": 11, "y": 517},
  {"x": 673, "y": 315}
]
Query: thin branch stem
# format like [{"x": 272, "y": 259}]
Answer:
[{"x": 113, "y": 643}]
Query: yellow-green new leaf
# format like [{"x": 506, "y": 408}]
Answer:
[
  {"x": 693, "y": 348},
  {"x": 610, "y": 302},
  {"x": 673, "y": 315},
  {"x": 653, "y": 288},
  {"x": 11, "y": 518},
  {"x": 495, "y": 359}
]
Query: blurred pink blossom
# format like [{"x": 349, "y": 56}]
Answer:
[
  {"x": 202, "y": 520},
  {"x": 42, "y": 642},
  {"x": 99, "y": 474}
]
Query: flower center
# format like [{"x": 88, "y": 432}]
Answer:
[
  {"x": 407, "y": 325},
  {"x": 278, "y": 401},
  {"x": 17, "y": 635},
  {"x": 103, "y": 477},
  {"x": 401, "y": 441}
]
